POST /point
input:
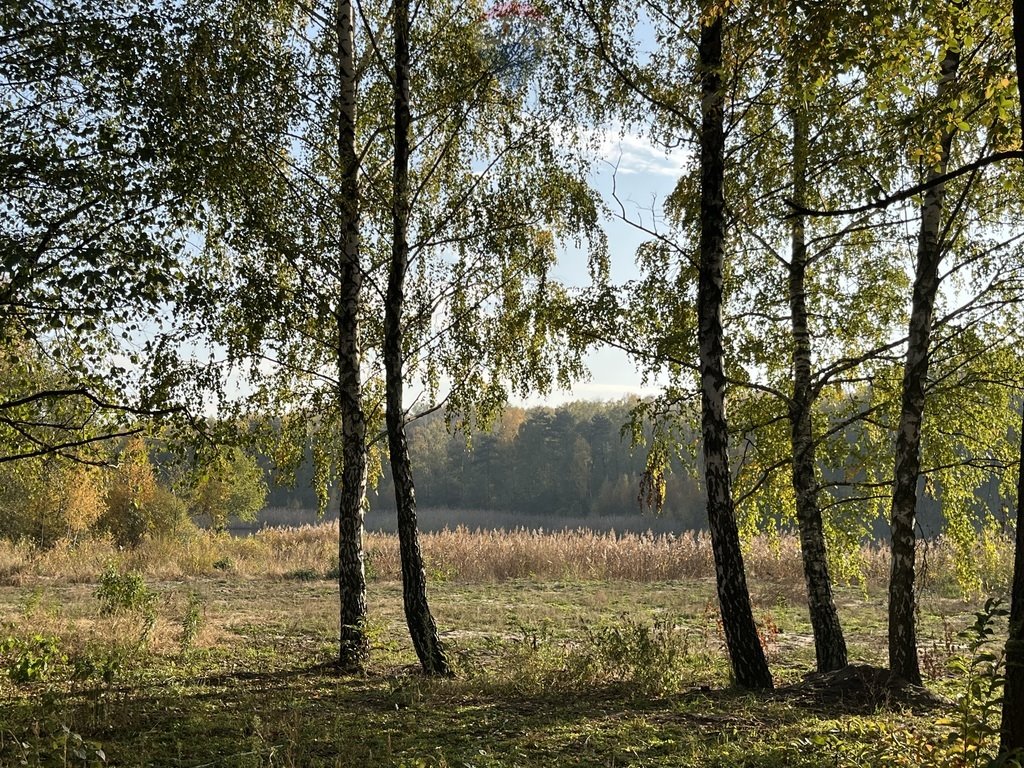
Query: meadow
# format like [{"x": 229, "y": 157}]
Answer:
[{"x": 571, "y": 648}]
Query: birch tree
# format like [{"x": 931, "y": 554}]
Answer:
[
  {"x": 1012, "y": 721},
  {"x": 421, "y": 624},
  {"x": 351, "y": 571},
  {"x": 477, "y": 189},
  {"x": 1012, "y": 724},
  {"x": 941, "y": 233},
  {"x": 748, "y": 661},
  {"x": 486, "y": 195},
  {"x": 88, "y": 224}
]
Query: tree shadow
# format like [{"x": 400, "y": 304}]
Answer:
[{"x": 385, "y": 717}]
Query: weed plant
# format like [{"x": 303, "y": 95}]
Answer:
[
  {"x": 965, "y": 737},
  {"x": 191, "y": 621}
]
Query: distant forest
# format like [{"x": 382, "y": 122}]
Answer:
[
  {"x": 570, "y": 461},
  {"x": 544, "y": 466}
]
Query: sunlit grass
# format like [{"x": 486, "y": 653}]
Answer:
[
  {"x": 571, "y": 648},
  {"x": 550, "y": 672}
]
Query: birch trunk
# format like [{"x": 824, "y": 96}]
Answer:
[
  {"x": 903, "y": 661},
  {"x": 1018, "y": 49},
  {"x": 750, "y": 668},
  {"x": 829, "y": 643},
  {"x": 421, "y": 624},
  {"x": 1012, "y": 728},
  {"x": 351, "y": 574}
]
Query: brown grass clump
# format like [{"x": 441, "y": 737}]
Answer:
[
  {"x": 581, "y": 554},
  {"x": 13, "y": 557},
  {"x": 310, "y": 551}
]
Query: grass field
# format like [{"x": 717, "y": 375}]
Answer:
[{"x": 230, "y": 667}]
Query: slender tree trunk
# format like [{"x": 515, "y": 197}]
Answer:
[
  {"x": 829, "y": 644},
  {"x": 1018, "y": 45},
  {"x": 1012, "y": 730},
  {"x": 903, "y": 662},
  {"x": 1012, "y": 727},
  {"x": 414, "y": 582},
  {"x": 351, "y": 575},
  {"x": 750, "y": 668}
]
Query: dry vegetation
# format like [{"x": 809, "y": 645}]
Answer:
[{"x": 468, "y": 556}]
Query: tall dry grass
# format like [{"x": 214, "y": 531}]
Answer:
[{"x": 472, "y": 556}]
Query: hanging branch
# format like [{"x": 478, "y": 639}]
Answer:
[{"x": 905, "y": 194}]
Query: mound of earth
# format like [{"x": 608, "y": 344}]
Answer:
[{"x": 861, "y": 688}]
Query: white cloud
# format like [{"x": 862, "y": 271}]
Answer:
[
  {"x": 614, "y": 376},
  {"x": 629, "y": 153},
  {"x": 586, "y": 391}
]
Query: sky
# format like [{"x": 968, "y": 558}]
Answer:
[{"x": 642, "y": 176}]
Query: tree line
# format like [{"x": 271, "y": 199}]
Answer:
[
  {"x": 346, "y": 215},
  {"x": 583, "y": 459},
  {"x": 129, "y": 494},
  {"x": 570, "y": 461}
]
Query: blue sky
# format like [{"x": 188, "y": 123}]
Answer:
[{"x": 642, "y": 175}]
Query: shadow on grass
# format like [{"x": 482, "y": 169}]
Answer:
[{"x": 310, "y": 715}]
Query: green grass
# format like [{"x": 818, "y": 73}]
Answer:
[{"x": 550, "y": 673}]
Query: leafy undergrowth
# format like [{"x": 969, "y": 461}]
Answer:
[{"x": 237, "y": 673}]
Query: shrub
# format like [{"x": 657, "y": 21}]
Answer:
[
  {"x": 30, "y": 660},
  {"x": 647, "y": 656},
  {"x": 303, "y": 574},
  {"x": 969, "y": 738},
  {"x": 46, "y": 500},
  {"x": 167, "y": 515},
  {"x": 130, "y": 495},
  {"x": 123, "y": 592},
  {"x": 137, "y": 506}
]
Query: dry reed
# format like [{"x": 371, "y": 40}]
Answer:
[{"x": 471, "y": 556}]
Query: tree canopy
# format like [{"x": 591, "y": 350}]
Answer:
[{"x": 297, "y": 227}]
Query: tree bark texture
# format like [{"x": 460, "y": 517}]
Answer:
[
  {"x": 750, "y": 668},
  {"x": 829, "y": 643},
  {"x": 903, "y": 661},
  {"x": 421, "y": 624},
  {"x": 1018, "y": 45},
  {"x": 351, "y": 572},
  {"x": 1012, "y": 727}
]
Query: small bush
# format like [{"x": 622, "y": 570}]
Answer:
[
  {"x": 30, "y": 660},
  {"x": 168, "y": 515},
  {"x": 123, "y": 592},
  {"x": 64, "y": 747},
  {"x": 648, "y": 657},
  {"x": 98, "y": 663},
  {"x": 968, "y": 738},
  {"x": 44, "y": 501},
  {"x": 644, "y": 659},
  {"x": 131, "y": 491},
  {"x": 230, "y": 485}
]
